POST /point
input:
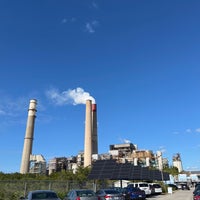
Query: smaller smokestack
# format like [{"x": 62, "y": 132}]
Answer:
[
  {"x": 88, "y": 134},
  {"x": 28, "y": 140},
  {"x": 94, "y": 130}
]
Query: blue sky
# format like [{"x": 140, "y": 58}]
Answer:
[{"x": 139, "y": 60}]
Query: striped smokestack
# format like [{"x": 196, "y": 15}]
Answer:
[
  {"x": 94, "y": 130},
  {"x": 88, "y": 134},
  {"x": 28, "y": 140}
]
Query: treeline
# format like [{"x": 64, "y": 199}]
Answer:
[{"x": 80, "y": 175}]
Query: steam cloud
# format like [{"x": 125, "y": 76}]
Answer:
[{"x": 75, "y": 96}]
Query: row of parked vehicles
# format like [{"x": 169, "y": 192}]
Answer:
[{"x": 133, "y": 191}]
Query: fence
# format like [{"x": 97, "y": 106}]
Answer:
[{"x": 14, "y": 189}]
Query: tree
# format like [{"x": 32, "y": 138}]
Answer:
[{"x": 171, "y": 170}]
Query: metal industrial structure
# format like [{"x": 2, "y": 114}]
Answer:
[{"x": 37, "y": 164}]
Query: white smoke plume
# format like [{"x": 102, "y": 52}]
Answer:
[
  {"x": 75, "y": 96},
  {"x": 127, "y": 141}
]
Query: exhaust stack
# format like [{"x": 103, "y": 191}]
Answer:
[
  {"x": 94, "y": 130},
  {"x": 88, "y": 134},
  {"x": 28, "y": 140}
]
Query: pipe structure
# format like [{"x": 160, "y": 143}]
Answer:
[
  {"x": 88, "y": 134},
  {"x": 94, "y": 130},
  {"x": 28, "y": 140}
]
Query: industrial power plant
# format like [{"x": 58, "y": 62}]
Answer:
[{"x": 123, "y": 153}]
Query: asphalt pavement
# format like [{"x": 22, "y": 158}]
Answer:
[{"x": 176, "y": 195}]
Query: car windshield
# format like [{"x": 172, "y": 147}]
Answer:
[
  {"x": 85, "y": 193},
  {"x": 133, "y": 189},
  {"x": 111, "y": 192},
  {"x": 156, "y": 185},
  {"x": 143, "y": 185},
  {"x": 44, "y": 195}
]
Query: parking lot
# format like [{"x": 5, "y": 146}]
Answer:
[{"x": 178, "y": 195}]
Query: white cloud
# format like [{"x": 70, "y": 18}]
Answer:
[
  {"x": 64, "y": 21},
  {"x": 91, "y": 26},
  {"x": 197, "y": 130},
  {"x": 192, "y": 168},
  {"x": 188, "y": 130},
  {"x": 70, "y": 20},
  {"x": 94, "y": 4},
  {"x": 127, "y": 141},
  {"x": 176, "y": 133},
  {"x": 2, "y": 112},
  {"x": 162, "y": 149}
]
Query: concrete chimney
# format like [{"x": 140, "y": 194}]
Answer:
[
  {"x": 94, "y": 130},
  {"x": 28, "y": 140},
  {"x": 88, "y": 134}
]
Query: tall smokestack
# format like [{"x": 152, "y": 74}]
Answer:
[
  {"x": 88, "y": 134},
  {"x": 94, "y": 130},
  {"x": 28, "y": 140}
]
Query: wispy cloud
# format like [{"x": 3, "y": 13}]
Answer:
[
  {"x": 64, "y": 21},
  {"x": 10, "y": 107},
  {"x": 162, "y": 149},
  {"x": 94, "y": 4},
  {"x": 188, "y": 130},
  {"x": 197, "y": 130},
  {"x": 12, "y": 111},
  {"x": 176, "y": 132},
  {"x": 68, "y": 20},
  {"x": 2, "y": 112},
  {"x": 192, "y": 168},
  {"x": 91, "y": 26},
  {"x": 122, "y": 140}
]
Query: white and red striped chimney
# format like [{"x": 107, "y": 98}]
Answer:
[{"x": 94, "y": 130}]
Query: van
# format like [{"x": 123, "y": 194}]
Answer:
[{"x": 142, "y": 185}]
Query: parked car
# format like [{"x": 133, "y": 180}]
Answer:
[
  {"x": 155, "y": 188},
  {"x": 81, "y": 194},
  {"x": 197, "y": 185},
  {"x": 196, "y": 190},
  {"x": 119, "y": 189},
  {"x": 133, "y": 193},
  {"x": 42, "y": 195},
  {"x": 196, "y": 196},
  {"x": 142, "y": 185},
  {"x": 109, "y": 194}
]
